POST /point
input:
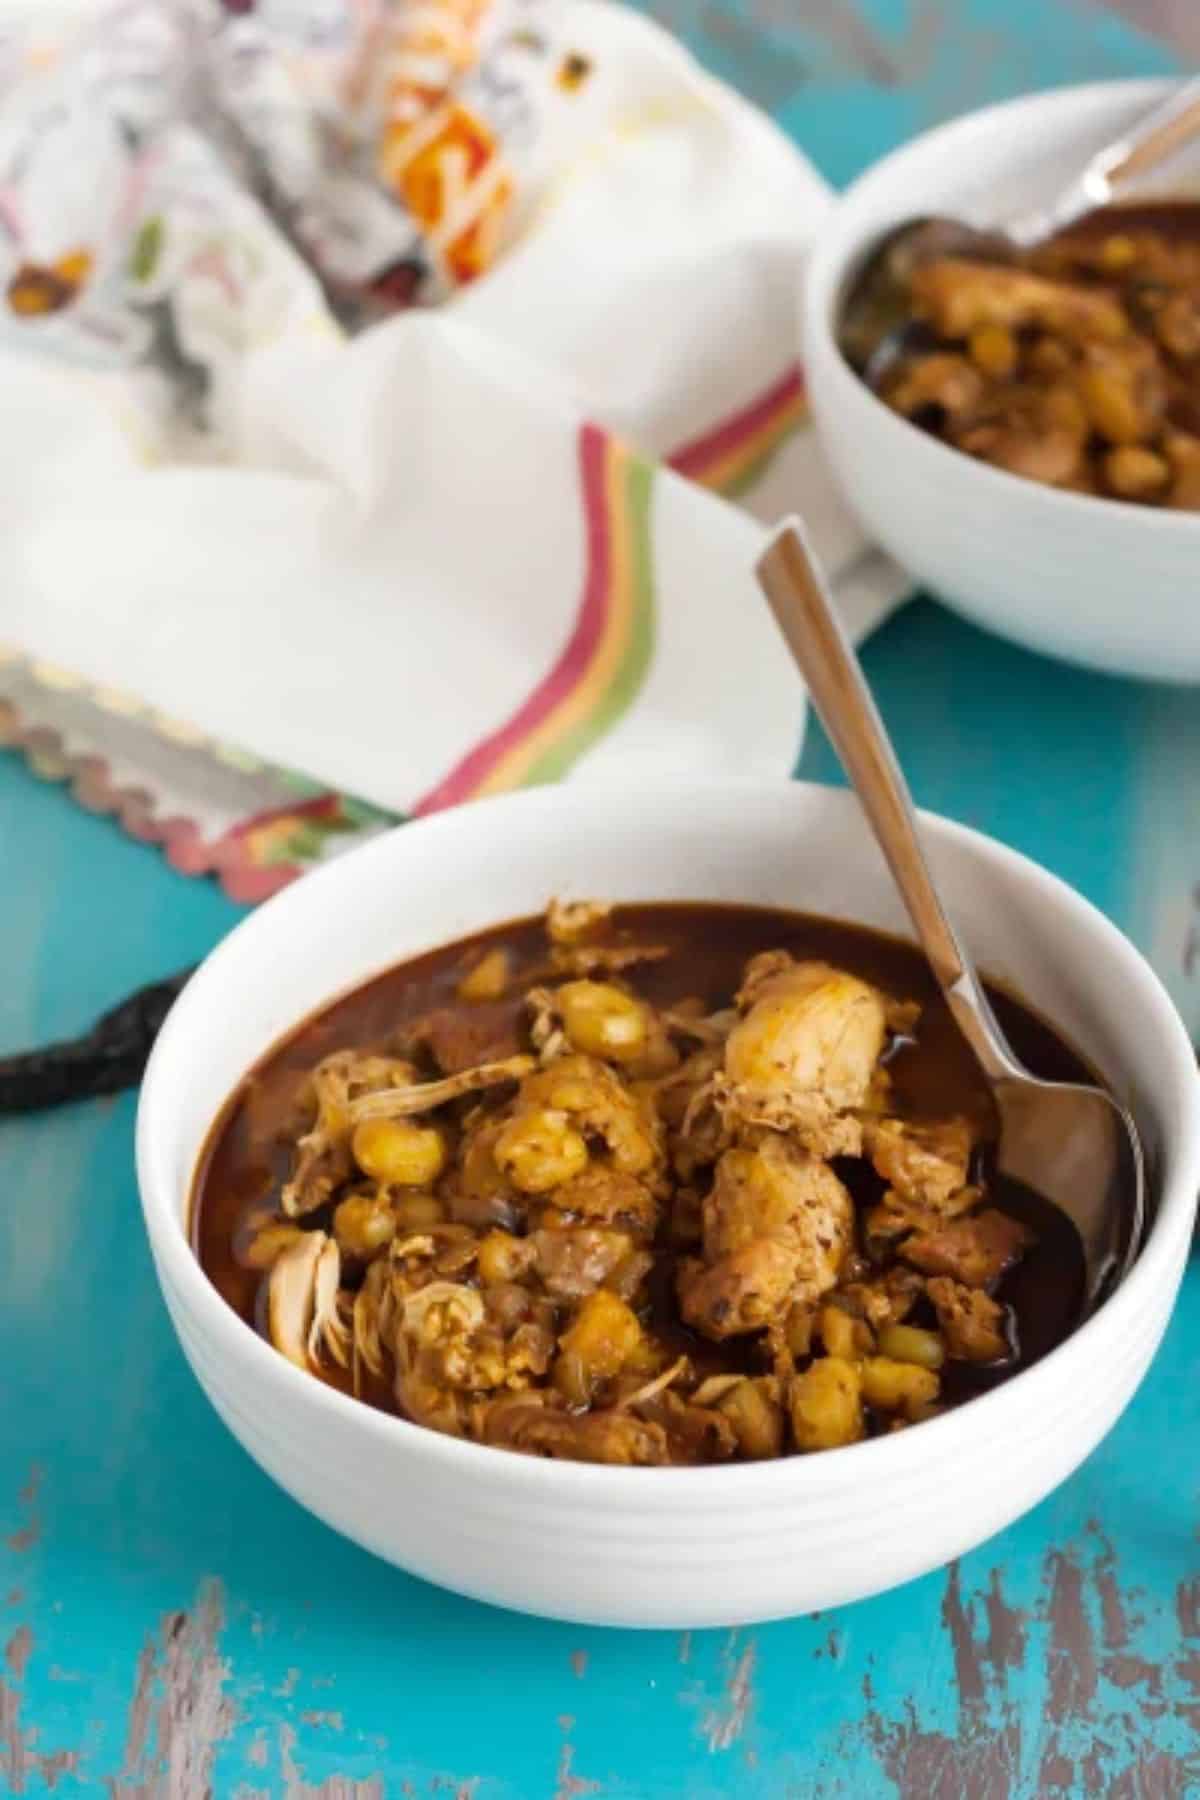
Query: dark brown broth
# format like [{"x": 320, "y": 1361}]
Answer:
[
  {"x": 1177, "y": 218},
  {"x": 934, "y": 1075}
]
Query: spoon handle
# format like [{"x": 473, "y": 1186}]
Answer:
[
  {"x": 1147, "y": 143},
  {"x": 790, "y": 576},
  {"x": 1154, "y": 139}
]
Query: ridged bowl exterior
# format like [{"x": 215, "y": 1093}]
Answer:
[
  {"x": 677, "y": 1548},
  {"x": 1095, "y": 581}
]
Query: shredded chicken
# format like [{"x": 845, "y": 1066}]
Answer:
[
  {"x": 651, "y": 1389},
  {"x": 291, "y": 1297},
  {"x": 323, "y": 1161},
  {"x": 712, "y": 1029},
  {"x": 370, "y": 1313},
  {"x": 545, "y": 1027},
  {"x": 602, "y": 959},
  {"x": 960, "y": 297},
  {"x": 577, "y": 930},
  {"x": 328, "y": 1334},
  {"x": 697, "y": 1130},
  {"x": 426, "y": 1096},
  {"x": 577, "y": 921},
  {"x": 444, "y": 1337}
]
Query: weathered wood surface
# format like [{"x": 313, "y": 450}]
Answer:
[
  {"x": 172, "y": 1626},
  {"x": 1177, "y": 22}
]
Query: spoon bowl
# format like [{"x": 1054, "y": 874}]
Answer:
[
  {"x": 1074, "y": 1145},
  {"x": 876, "y": 326},
  {"x": 1079, "y": 1148}
]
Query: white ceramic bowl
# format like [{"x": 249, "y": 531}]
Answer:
[
  {"x": 1096, "y": 581},
  {"x": 664, "y": 1547}
]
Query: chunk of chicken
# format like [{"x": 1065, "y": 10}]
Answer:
[
  {"x": 446, "y": 1337},
  {"x": 943, "y": 380},
  {"x": 887, "y": 1300},
  {"x": 603, "y": 1196},
  {"x": 695, "y": 1434},
  {"x": 577, "y": 921},
  {"x": 540, "y": 1425},
  {"x": 975, "y": 1250},
  {"x": 971, "y": 1322},
  {"x": 1026, "y": 440},
  {"x": 459, "y": 1040},
  {"x": 958, "y": 297},
  {"x": 924, "y": 1161},
  {"x": 777, "y": 1226},
  {"x": 805, "y": 1054},
  {"x": 895, "y": 1218},
  {"x": 575, "y": 1260}
]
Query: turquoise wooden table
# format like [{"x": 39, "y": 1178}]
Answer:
[{"x": 172, "y": 1625}]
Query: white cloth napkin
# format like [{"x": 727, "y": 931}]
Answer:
[{"x": 421, "y": 557}]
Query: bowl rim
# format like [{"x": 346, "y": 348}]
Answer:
[
  {"x": 788, "y": 1477},
  {"x": 837, "y": 245}
]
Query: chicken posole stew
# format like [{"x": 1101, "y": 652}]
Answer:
[
  {"x": 683, "y": 1184},
  {"x": 1077, "y": 365}
]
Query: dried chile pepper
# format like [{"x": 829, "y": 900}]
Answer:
[{"x": 105, "y": 1060}]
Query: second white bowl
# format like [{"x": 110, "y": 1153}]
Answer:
[{"x": 1097, "y": 581}]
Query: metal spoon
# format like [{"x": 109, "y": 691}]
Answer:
[
  {"x": 1075, "y": 1145},
  {"x": 875, "y": 326}
]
